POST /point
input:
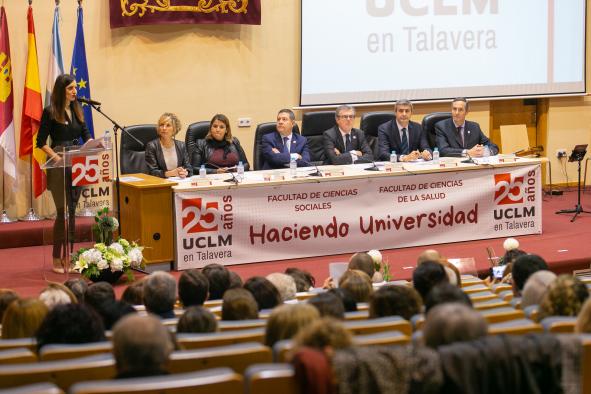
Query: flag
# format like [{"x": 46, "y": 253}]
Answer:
[
  {"x": 56, "y": 62},
  {"x": 32, "y": 110},
  {"x": 79, "y": 70},
  {"x": 6, "y": 100}
]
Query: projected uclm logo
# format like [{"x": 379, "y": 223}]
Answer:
[
  {"x": 507, "y": 190},
  {"x": 199, "y": 216}
]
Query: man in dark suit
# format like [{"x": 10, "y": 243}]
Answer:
[
  {"x": 459, "y": 137},
  {"x": 343, "y": 144},
  {"x": 279, "y": 146},
  {"x": 403, "y": 136}
]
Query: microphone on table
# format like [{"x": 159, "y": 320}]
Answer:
[
  {"x": 87, "y": 101},
  {"x": 233, "y": 179},
  {"x": 372, "y": 168},
  {"x": 469, "y": 160},
  {"x": 317, "y": 172}
]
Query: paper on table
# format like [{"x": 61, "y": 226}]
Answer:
[
  {"x": 130, "y": 179},
  {"x": 336, "y": 270},
  {"x": 93, "y": 144}
]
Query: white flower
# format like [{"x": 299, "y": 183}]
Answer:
[
  {"x": 80, "y": 265},
  {"x": 135, "y": 257},
  {"x": 91, "y": 256},
  {"x": 510, "y": 244},
  {"x": 116, "y": 246},
  {"x": 102, "y": 264},
  {"x": 376, "y": 256},
  {"x": 117, "y": 264}
]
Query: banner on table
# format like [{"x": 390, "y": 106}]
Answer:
[
  {"x": 245, "y": 225},
  {"x": 155, "y": 12}
]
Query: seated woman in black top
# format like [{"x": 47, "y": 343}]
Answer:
[
  {"x": 219, "y": 151},
  {"x": 63, "y": 121},
  {"x": 165, "y": 156}
]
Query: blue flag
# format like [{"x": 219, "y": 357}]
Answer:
[{"x": 79, "y": 70}]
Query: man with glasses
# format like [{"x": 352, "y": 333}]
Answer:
[
  {"x": 278, "y": 147},
  {"x": 343, "y": 144},
  {"x": 403, "y": 136}
]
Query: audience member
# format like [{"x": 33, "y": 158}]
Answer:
[
  {"x": 57, "y": 294},
  {"x": 328, "y": 305},
  {"x": 395, "y": 300},
  {"x": 235, "y": 280},
  {"x": 427, "y": 275},
  {"x": 428, "y": 255},
  {"x": 284, "y": 284},
  {"x": 536, "y": 287},
  {"x": 445, "y": 293},
  {"x": 523, "y": 267},
  {"x": 197, "y": 319},
  {"x": 377, "y": 259},
  {"x": 193, "y": 288},
  {"x": 287, "y": 320},
  {"x": 218, "y": 277},
  {"x": 22, "y": 318},
  {"x": 324, "y": 334},
  {"x": 264, "y": 292},
  {"x": 112, "y": 311},
  {"x": 134, "y": 293},
  {"x": 346, "y": 297},
  {"x": 98, "y": 294},
  {"x": 565, "y": 297},
  {"x": 78, "y": 287},
  {"x": 303, "y": 279},
  {"x": 453, "y": 322},
  {"x": 70, "y": 323},
  {"x": 160, "y": 294},
  {"x": 141, "y": 346},
  {"x": 6, "y": 298},
  {"x": 358, "y": 283},
  {"x": 363, "y": 262},
  {"x": 583, "y": 325},
  {"x": 239, "y": 304}
]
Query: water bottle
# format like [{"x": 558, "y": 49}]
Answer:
[
  {"x": 202, "y": 171},
  {"x": 485, "y": 153},
  {"x": 293, "y": 165},
  {"x": 107, "y": 139},
  {"x": 436, "y": 156},
  {"x": 393, "y": 158},
  {"x": 240, "y": 171}
]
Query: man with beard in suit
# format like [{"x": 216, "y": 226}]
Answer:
[{"x": 344, "y": 144}]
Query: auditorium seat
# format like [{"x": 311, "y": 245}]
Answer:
[
  {"x": 196, "y": 131},
  {"x": 212, "y": 381},
  {"x": 559, "y": 324},
  {"x": 490, "y": 304},
  {"x": 531, "y": 312},
  {"x": 261, "y": 130},
  {"x": 382, "y": 339},
  {"x": 313, "y": 126},
  {"x": 475, "y": 288},
  {"x": 370, "y": 121},
  {"x": 212, "y": 303},
  {"x": 198, "y": 341},
  {"x": 67, "y": 351},
  {"x": 482, "y": 296},
  {"x": 370, "y": 326},
  {"x": 133, "y": 148},
  {"x": 506, "y": 295},
  {"x": 500, "y": 287},
  {"x": 238, "y": 357},
  {"x": 428, "y": 124},
  {"x": 357, "y": 315},
  {"x": 228, "y": 325},
  {"x": 417, "y": 322},
  {"x": 514, "y": 327},
  {"x": 35, "y": 388},
  {"x": 498, "y": 315},
  {"x": 17, "y": 356},
  {"x": 270, "y": 379},
  {"x": 29, "y": 343}
]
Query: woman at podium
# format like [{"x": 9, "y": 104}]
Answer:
[
  {"x": 165, "y": 156},
  {"x": 63, "y": 122},
  {"x": 219, "y": 151}
]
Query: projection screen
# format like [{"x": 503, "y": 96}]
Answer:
[{"x": 372, "y": 51}]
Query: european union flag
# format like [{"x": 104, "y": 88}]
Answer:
[{"x": 79, "y": 70}]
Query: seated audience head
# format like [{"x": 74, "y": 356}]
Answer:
[
  {"x": 264, "y": 292},
  {"x": 523, "y": 267},
  {"x": 6, "y": 298},
  {"x": 428, "y": 255},
  {"x": 445, "y": 293},
  {"x": 70, "y": 323},
  {"x": 324, "y": 334},
  {"x": 78, "y": 287},
  {"x": 219, "y": 129},
  {"x": 565, "y": 297},
  {"x": 141, "y": 346},
  {"x": 57, "y": 294},
  {"x": 22, "y": 318},
  {"x": 285, "y": 121},
  {"x": 239, "y": 304},
  {"x": 284, "y": 284},
  {"x": 286, "y": 320},
  {"x": 363, "y": 262},
  {"x": 160, "y": 294},
  {"x": 453, "y": 322},
  {"x": 219, "y": 280},
  {"x": 512, "y": 251},
  {"x": 358, "y": 283},
  {"x": 536, "y": 287},
  {"x": 428, "y": 275},
  {"x": 197, "y": 319},
  {"x": 395, "y": 300},
  {"x": 112, "y": 311},
  {"x": 134, "y": 293},
  {"x": 193, "y": 288},
  {"x": 346, "y": 297},
  {"x": 583, "y": 325},
  {"x": 303, "y": 279},
  {"x": 328, "y": 304},
  {"x": 98, "y": 294},
  {"x": 235, "y": 280}
]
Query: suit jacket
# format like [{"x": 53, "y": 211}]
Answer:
[
  {"x": 155, "y": 158},
  {"x": 333, "y": 139},
  {"x": 299, "y": 144},
  {"x": 450, "y": 142},
  {"x": 389, "y": 139}
]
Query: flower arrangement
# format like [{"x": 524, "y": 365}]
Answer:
[
  {"x": 381, "y": 266},
  {"x": 120, "y": 256}
]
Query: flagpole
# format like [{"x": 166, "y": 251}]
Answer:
[
  {"x": 31, "y": 216},
  {"x": 4, "y": 218}
]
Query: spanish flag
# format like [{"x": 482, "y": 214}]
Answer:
[{"x": 32, "y": 110}]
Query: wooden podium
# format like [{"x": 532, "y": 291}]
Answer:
[{"x": 147, "y": 215}]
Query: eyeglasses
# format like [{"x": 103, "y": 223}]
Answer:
[{"x": 347, "y": 116}]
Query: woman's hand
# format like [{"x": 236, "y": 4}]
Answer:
[
  {"x": 181, "y": 172},
  {"x": 221, "y": 171}
]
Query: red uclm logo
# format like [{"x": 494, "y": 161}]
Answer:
[
  {"x": 199, "y": 216},
  {"x": 85, "y": 170},
  {"x": 507, "y": 190}
]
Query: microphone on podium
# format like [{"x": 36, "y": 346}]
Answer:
[
  {"x": 87, "y": 101},
  {"x": 233, "y": 179}
]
